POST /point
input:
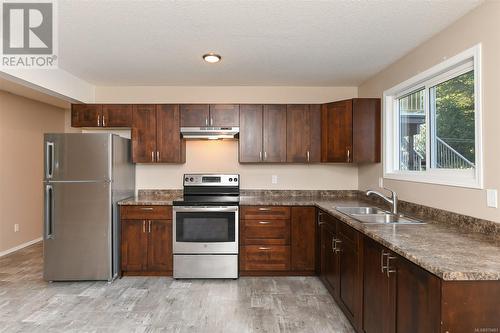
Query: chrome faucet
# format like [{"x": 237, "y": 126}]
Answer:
[{"x": 393, "y": 200}]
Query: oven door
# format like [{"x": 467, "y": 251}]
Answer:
[{"x": 202, "y": 230}]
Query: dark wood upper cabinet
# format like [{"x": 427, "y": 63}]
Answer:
[
  {"x": 117, "y": 115},
  {"x": 351, "y": 131},
  {"x": 336, "y": 132},
  {"x": 144, "y": 134},
  {"x": 86, "y": 115},
  {"x": 274, "y": 133},
  {"x": 170, "y": 147},
  {"x": 303, "y": 136},
  {"x": 303, "y": 238},
  {"x": 224, "y": 115},
  {"x": 195, "y": 115},
  {"x": 366, "y": 130},
  {"x": 250, "y": 141}
]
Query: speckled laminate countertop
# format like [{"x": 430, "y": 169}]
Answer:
[{"x": 442, "y": 249}]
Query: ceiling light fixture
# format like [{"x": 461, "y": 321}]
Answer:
[{"x": 212, "y": 57}]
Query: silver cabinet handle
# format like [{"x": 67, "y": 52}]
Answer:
[
  {"x": 338, "y": 249},
  {"x": 308, "y": 157},
  {"x": 103, "y": 121},
  {"x": 334, "y": 244},
  {"x": 206, "y": 121},
  {"x": 260, "y": 156},
  {"x": 157, "y": 156},
  {"x": 152, "y": 156},
  {"x": 149, "y": 226},
  {"x": 49, "y": 159},
  {"x": 211, "y": 121},
  {"x": 263, "y": 209},
  {"x": 146, "y": 208},
  {"x": 49, "y": 212},
  {"x": 388, "y": 269},
  {"x": 264, "y": 222},
  {"x": 265, "y": 155},
  {"x": 348, "y": 155},
  {"x": 382, "y": 255},
  {"x": 264, "y": 248},
  {"x": 98, "y": 120},
  {"x": 143, "y": 226}
]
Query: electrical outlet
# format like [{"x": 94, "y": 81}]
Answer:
[
  {"x": 380, "y": 182},
  {"x": 274, "y": 179},
  {"x": 16, "y": 227},
  {"x": 492, "y": 198}
]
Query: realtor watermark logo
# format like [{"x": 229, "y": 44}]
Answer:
[{"x": 29, "y": 34}]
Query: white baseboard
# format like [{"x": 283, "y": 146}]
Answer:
[{"x": 16, "y": 248}]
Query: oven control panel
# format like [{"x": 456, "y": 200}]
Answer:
[{"x": 211, "y": 180}]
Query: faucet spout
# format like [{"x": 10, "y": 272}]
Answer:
[{"x": 392, "y": 200}]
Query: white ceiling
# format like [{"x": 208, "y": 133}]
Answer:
[{"x": 273, "y": 42}]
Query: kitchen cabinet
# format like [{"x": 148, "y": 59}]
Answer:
[
  {"x": 156, "y": 134},
  {"x": 329, "y": 268},
  {"x": 101, "y": 115},
  {"x": 350, "y": 131},
  {"x": 218, "y": 115},
  {"x": 146, "y": 240},
  {"x": 303, "y": 238},
  {"x": 303, "y": 135},
  {"x": 262, "y": 133}
]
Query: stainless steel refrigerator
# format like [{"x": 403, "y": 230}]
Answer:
[{"x": 85, "y": 176}]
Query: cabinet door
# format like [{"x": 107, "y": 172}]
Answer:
[
  {"x": 418, "y": 298},
  {"x": 328, "y": 258},
  {"x": 169, "y": 145},
  {"x": 315, "y": 133},
  {"x": 144, "y": 134},
  {"x": 336, "y": 133},
  {"x": 196, "y": 115},
  {"x": 378, "y": 291},
  {"x": 303, "y": 238},
  {"x": 349, "y": 275},
  {"x": 225, "y": 115},
  {"x": 250, "y": 141},
  {"x": 366, "y": 129},
  {"x": 298, "y": 133},
  {"x": 159, "y": 245},
  {"x": 86, "y": 115},
  {"x": 133, "y": 245},
  {"x": 274, "y": 133},
  {"x": 117, "y": 115}
]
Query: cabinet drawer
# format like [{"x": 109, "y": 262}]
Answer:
[
  {"x": 265, "y": 212},
  {"x": 146, "y": 212},
  {"x": 256, "y": 232},
  {"x": 265, "y": 258}
]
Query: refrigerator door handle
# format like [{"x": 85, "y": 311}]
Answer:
[
  {"x": 49, "y": 159},
  {"x": 49, "y": 212}
]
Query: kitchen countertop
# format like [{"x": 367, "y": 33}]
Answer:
[{"x": 444, "y": 250}]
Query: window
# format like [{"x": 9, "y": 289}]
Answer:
[{"x": 432, "y": 126}]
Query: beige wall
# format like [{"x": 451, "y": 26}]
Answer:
[
  {"x": 222, "y": 156},
  {"x": 22, "y": 124},
  {"x": 482, "y": 25}
]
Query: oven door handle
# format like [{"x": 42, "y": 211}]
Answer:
[{"x": 196, "y": 209}]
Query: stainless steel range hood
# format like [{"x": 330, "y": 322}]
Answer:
[{"x": 210, "y": 133}]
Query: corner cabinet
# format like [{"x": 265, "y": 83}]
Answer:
[
  {"x": 156, "y": 134},
  {"x": 146, "y": 240},
  {"x": 350, "y": 131}
]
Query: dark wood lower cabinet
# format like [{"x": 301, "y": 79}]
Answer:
[
  {"x": 146, "y": 240},
  {"x": 329, "y": 268},
  {"x": 303, "y": 238}
]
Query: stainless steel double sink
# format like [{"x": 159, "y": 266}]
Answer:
[{"x": 376, "y": 215}]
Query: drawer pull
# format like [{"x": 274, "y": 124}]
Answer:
[
  {"x": 147, "y": 208},
  {"x": 264, "y": 248},
  {"x": 262, "y": 209},
  {"x": 264, "y": 222}
]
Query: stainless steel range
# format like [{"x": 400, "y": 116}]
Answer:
[{"x": 205, "y": 227}]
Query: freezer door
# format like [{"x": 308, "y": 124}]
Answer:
[
  {"x": 78, "y": 231},
  {"x": 77, "y": 157}
]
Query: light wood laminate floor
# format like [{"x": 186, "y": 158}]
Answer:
[{"x": 160, "y": 304}]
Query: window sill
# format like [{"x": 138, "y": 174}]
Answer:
[{"x": 446, "y": 178}]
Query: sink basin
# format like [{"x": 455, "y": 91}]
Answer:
[
  {"x": 360, "y": 210},
  {"x": 385, "y": 219},
  {"x": 376, "y": 215}
]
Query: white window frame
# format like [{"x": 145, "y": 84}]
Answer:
[{"x": 452, "y": 67}]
